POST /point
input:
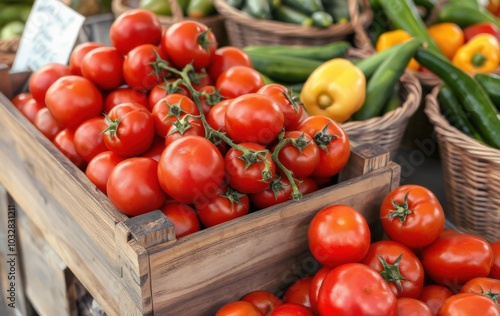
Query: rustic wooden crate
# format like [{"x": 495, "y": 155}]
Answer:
[{"x": 135, "y": 266}]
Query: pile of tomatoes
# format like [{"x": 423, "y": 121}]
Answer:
[
  {"x": 165, "y": 119},
  {"x": 420, "y": 269}
]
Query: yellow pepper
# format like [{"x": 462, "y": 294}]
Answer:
[
  {"x": 336, "y": 89},
  {"x": 449, "y": 37},
  {"x": 480, "y": 54},
  {"x": 391, "y": 38}
]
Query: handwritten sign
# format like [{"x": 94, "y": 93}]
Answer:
[{"x": 49, "y": 35}]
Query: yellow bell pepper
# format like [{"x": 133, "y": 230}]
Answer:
[
  {"x": 391, "y": 38},
  {"x": 480, "y": 54},
  {"x": 449, "y": 37},
  {"x": 336, "y": 89}
]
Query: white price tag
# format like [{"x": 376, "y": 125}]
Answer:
[{"x": 49, "y": 35}]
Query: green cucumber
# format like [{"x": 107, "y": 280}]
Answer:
[
  {"x": 339, "y": 10},
  {"x": 319, "y": 52},
  {"x": 259, "y": 9},
  {"x": 369, "y": 65},
  {"x": 490, "y": 83},
  {"x": 394, "y": 102},
  {"x": 285, "y": 13},
  {"x": 284, "y": 69},
  {"x": 200, "y": 8},
  {"x": 305, "y": 6},
  {"x": 464, "y": 16},
  {"x": 238, "y": 4},
  {"x": 322, "y": 19}
]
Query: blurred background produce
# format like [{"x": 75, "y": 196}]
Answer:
[{"x": 13, "y": 15}]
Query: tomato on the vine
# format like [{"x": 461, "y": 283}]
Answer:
[
  {"x": 104, "y": 67},
  {"x": 298, "y": 292},
  {"x": 200, "y": 79},
  {"x": 77, "y": 54},
  {"x": 338, "y": 234},
  {"x": 307, "y": 185},
  {"x": 137, "y": 69},
  {"x": 265, "y": 301},
  {"x": 187, "y": 42},
  {"x": 216, "y": 117},
  {"x": 412, "y": 215},
  {"x": 100, "y": 167},
  {"x": 64, "y": 142},
  {"x": 465, "y": 304},
  {"x": 239, "y": 80},
  {"x": 277, "y": 192},
  {"x": 225, "y": 58},
  {"x": 183, "y": 217},
  {"x": 183, "y": 127},
  {"x": 162, "y": 89},
  {"x": 300, "y": 155},
  {"x": 239, "y": 308},
  {"x": 44, "y": 77},
  {"x": 412, "y": 307},
  {"x": 209, "y": 97},
  {"x": 88, "y": 138},
  {"x": 225, "y": 206},
  {"x": 291, "y": 106},
  {"x": 169, "y": 109},
  {"x": 486, "y": 286},
  {"x": 124, "y": 95}
]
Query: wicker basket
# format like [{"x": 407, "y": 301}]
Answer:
[
  {"x": 244, "y": 30},
  {"x": 472, "y": 176},
  {"x": 214, "y": 22},
  {"x": 8, "y": 49}
]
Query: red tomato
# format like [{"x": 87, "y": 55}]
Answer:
[
  {"x": 298, "y": 292},
  {"x": 125, "y": 95},
  {"x": 331, "y": 140},
  {"x": 227, "y": 57},
  {"x": 316, "y": 283},
  {"x": 184, "y": 127},
  {"x": 495, "y": 268},
  {"x": 30, "y": 109},
  {"x": 72, "y": 100},
  {"x": 466, "y": 304},
  {"x": 47, "y": 124},
  {"x": 200, "y": 80},
  {"x": 21, "y": 99},
  {"x": 239, "y": 80},
  {"x": 208, "y": 98},
  {"x": 44, "y": 77},
  {"x": 412, "y": 215},
  {"x": 355, "y": 289},
  {"x": 76, "y": 57},
  {"x": 100, "y": 167},
  {"x": 300, "y": 155},
  {"x": 183, "y": 217},
  {"x": 486, "y": 286},
  {"x": 239, "y": 308},
  {"x": 162, "y": 89},
  {"x": 253, "y": 118},
  {"x": 64, "y": 142},
  {"x": 156, "y": 149},
  {"x": 452, "y": 260},
  {"x": 137, "y": 69},
  {"x": 88, "y": 138},
  {"x": 412, "y": 307},
  {"x": 189, "y": 42},
  {"x": 103, "y": 66},
  {"x": 252, "y": 178},
  {"x": 279, "y": 191},
  {"x": 133, "y": 28},
  {"x": 191, "y": 170},
  {"x": 170, "y": 109},
  {"x": 291, "y": 309},
  {"x": 399, "y": 267},
  {"x": 307, "y": 185},
  {"x": 133, "y": 186},
  {"x": 223, "y": 207},
  {"x": 338, "y": 234},
  {"x": 216, "y": 117},
  {"x": 434, "y": 296},
  {"x": 291, "y": 106},
  {"x": 265, "y": 301}
]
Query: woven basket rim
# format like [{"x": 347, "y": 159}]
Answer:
[
  {"x": 288, "y": 29},
  {"x": 9, "y": 46},
  {"x": 455, "y": 136}
]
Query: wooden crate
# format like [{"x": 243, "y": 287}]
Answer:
[{"x": 135, "y": 266}]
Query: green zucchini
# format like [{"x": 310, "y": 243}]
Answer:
[
  {"x": 322, "y": 19},
  {"x": 238, "y": 4},
  {"x": 465, "y": 16},
  {"x": 490, "y": 83},
  {"x": 284, "y": 69},
  {"x": 287, "y": 14},
  {"x": 259, "y": 9},
  {"x": 369, "y": 65},
  {"x": 319, "y": 52},
  {"x": 394, "y": 102},
  {"x": 305, "y": 6},
  {"x": 339, "y": 10}
]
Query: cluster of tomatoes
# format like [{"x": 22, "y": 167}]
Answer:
[
  {"x": 165, "y": 119},
  {"x": 420, "y": 269}
]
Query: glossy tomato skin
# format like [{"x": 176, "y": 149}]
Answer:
[
  {"x": 186, "y": 126},
  {"x": 134, "y": 132},
  {"x": 415, "y": 224},
  {"x": 333, "y": 143},
  {"x": 100, "y": 167},
  {"x": 316, "y": 283},
  {"x": 307, "y": 185},
  {"x": 47, "y": 124},
  {"x": 223, "y": 207},
  {"x": 482, "y": 285},
  {"x": 452, "y": 260},
  {"x": 411, "y": 272},
  {"x": 88, "y": 138},
  {"x": 355, "y": 289},
  {"x": 301, "y": 155},
  {"x": 64, "y": 142},
  {"x": 164, "y": 111},
  {"x": 298, "y": 292},
  {"x": 208, "y": 98},
  {"x": 157, "y": 147},
  {"x": 30, "y": 109},
  {"x": 72, "y": 100},
  {"x": 289, "y": 309},
  {"x": 434, "y": 296},
  {"x": 412, "y": 307},
  {"x": 124, "y": 95},
  {"x": 137, "y": 70},
  {"x": 103, "y": 66},
  {"x": 162, "y": 89},
  {"x": 189, "y": 42},
  {"x": 21, "y": 99},
  {"x": 265, "y": 301},
  {"x": 183, "y": 217},
  {"x": 292, "y": 108},
  {"x": 338, "y": 234},
  {"x": 201, "y": 80},
  {"x": 76, "y": 57},
  {"x": 279, "y": 191},
  {"x": 44, "y": 77},
  {"x": 250, "y": 179},
  {"x": 239, "y": 80},
  {"x": 191, "y": 170},
  {"x": 216, "y": 117},
  {"x": 495, "y": 268},
  {"x": 253, "y": 118},
  {"x": 133, "y": 28},
  {"x": 239, "y": 308},
  {"x": 465, "y": 304},
  {"x": 225, "y": 58}
]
